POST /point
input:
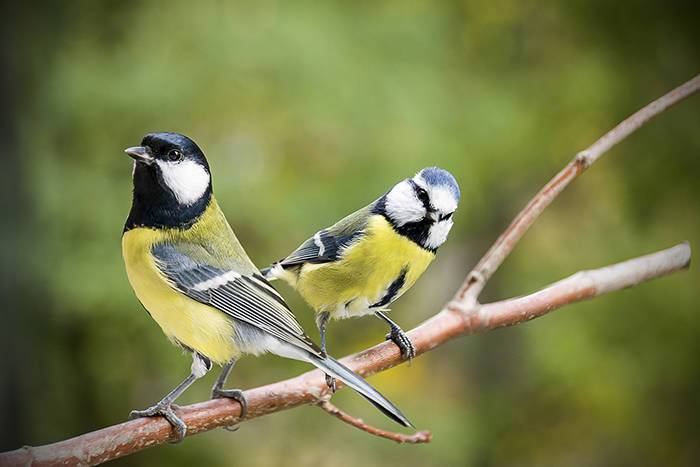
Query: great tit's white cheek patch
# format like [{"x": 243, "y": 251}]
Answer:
[
  {"x": 437, "y": 235},
  {"x": 443, "y": 199},
  {"x": 187, "y": 180},
  {"x": 403, "y": 206}
]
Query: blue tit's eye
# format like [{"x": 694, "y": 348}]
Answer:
[
  {"x": 175, "y": 155},
  {"x": 422, "y": 194},
  {"x": 445, "y": 217}
]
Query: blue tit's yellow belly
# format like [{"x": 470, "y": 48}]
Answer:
[
  {"x": 184, "y": 320},
  {"x": 362, "y": 276}
]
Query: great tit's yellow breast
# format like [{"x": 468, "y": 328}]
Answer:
[
  {"x": 364, "y": 273},
  {"x": 184, "y": 320}
]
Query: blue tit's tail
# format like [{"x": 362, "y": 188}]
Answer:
[{"x": 339, "y": 371}]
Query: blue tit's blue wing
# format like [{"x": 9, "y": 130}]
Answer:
[
  {"x": 245, "y": 297},
  {"x": 328, "y": 244}
]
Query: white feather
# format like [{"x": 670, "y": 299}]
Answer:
[
  {"x": 442, "y": 199},
  {"x": 187, "y": 179},
  {"x": 402, "y": 204},
  {"x": 437, "y": 235},
  {"x": 319, "y": 244},
  {"x": 217, "y": 281},
  {"x": 199, "y": 367}
]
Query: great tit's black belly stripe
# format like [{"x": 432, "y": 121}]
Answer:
[{"x": 393, "y": 289}]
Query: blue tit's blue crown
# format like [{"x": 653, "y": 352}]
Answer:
[{"x": 440, "y": 177}]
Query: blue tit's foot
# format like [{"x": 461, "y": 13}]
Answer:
[
  {"x": 235, "y": 394},
  {"x": 398, "y": 337},
  {"x": 330, "y": 382},
  {"x": 166, "y": 411}
]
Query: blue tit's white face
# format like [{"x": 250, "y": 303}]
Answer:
[{"x": 422, "y": 206}]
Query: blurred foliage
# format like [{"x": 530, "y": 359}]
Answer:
[{"x": 309, "y": 110}]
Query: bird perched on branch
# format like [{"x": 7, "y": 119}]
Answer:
[
  {"x": 365, "y": 261},
  {"x": 192, "y": 275}
]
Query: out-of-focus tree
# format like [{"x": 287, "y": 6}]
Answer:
[{"x": 309, "y": 110}]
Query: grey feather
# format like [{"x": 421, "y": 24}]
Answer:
[{"x": 247, "y": 298}]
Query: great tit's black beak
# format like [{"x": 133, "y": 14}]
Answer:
[{"x": 140, "y": 154}]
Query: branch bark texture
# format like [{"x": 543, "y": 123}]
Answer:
[{"x": 463, "y": 315}]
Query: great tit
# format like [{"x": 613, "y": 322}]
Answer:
[
  {"x": 365, "y": 261},
  {"x": 192, "y": 275}
]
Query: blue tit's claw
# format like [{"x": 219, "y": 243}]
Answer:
[
  {"x": 238, "y": 396},
  {"x": 165, "y": 411},
  {"x": 398, "y": 337},
  {"x": 330, "y": 382}
]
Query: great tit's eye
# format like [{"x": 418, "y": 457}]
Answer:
[
  {"x": 175, "y": 155},
  {"x": 445, "y": 217}
]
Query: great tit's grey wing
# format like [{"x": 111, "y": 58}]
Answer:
[
  {"x": 247, "y": 297},
  {"x": 328, "y": 244}
]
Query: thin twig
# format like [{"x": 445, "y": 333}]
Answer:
[
  {"x": 132, "y": 436},
  {"x": 416, "y": 438},
  {"x": 494, "y": 257}
]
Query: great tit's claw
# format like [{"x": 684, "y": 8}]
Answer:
[
  {"x": 330, "y": 382},
  {"x": 166, "y": 411},
  {"x": 238, "y": 396},
  {"x": 235, "y": 394}
]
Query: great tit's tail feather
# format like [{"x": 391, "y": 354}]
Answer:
[{"x": 339, "y": 371}]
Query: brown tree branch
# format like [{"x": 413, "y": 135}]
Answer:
[
  {"x": 463, "y": 315},
  {"x": 416, "y": 438},
  {"x": 494, "y": 257},
  {"x": 132, "y": 436}
]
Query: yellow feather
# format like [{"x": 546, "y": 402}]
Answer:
[
  {"x": 184, "y": 320},
  {"x": 364, "y": 273}
]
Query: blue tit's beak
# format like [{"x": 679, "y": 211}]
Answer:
[{"x": 140, "y": 154}]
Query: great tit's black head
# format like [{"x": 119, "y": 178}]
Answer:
[
  {"x": 172, "y": 181},
  {"x": 421, "y": 207}
]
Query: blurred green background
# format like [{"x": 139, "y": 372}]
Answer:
[{"x": 309, "y": 110}]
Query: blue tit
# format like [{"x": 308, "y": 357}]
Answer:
[
  {"x": 196, "y": 281},
  {"x": 365, "y": 261}
]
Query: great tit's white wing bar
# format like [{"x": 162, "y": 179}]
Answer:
[
  {"x": 245, "y": 297},
  {"x": 328, "y": 244}
]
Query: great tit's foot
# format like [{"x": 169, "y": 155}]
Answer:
[
  {"x": 398, "y": 337},
  {"x": 330, "y": 382},
  {"x": 166, "y": 411},
  {"x": 235, "y": 394}
]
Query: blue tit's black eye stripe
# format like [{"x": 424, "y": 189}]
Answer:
[{"x": 421, "y": 194}]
